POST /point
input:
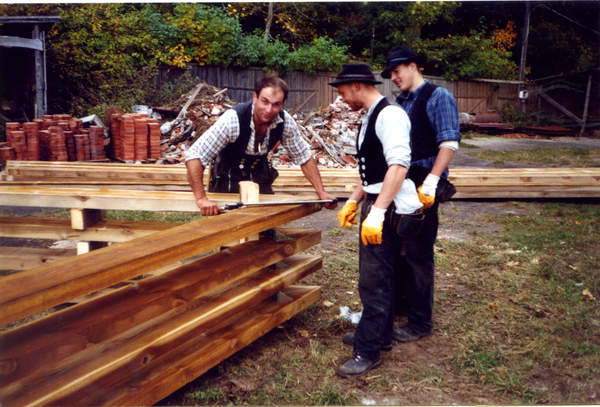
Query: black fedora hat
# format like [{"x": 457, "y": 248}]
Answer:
[
  {"x": 355, "y": 72},
  {"x": 401, "y": 55}
]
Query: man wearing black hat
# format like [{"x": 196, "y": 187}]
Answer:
[
  {"x": 383, "y": 157},
  {"x": 434, "y": 138}
]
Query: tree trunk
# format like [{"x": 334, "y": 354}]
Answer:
[{"x": 269, "y": 21}]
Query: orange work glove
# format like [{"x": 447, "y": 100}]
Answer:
[
  {"x": 372, "y": 226},
  {"x": 347, "y": 214},
  {"x": 427, "y": 191}
]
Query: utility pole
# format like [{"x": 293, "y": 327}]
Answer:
[{"x": 524, "y": 57}]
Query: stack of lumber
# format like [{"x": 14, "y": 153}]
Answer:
[
  {"x": 510, "y": 183},
  {"x": 147, "y": 338},
  {"x": 471, "y": 183}
]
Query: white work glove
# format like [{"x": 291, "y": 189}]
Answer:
[
  {"x": 427, "y": 191},
  {"x": 372, "y": 226}
]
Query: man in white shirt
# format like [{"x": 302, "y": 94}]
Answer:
[{"x": 384, "y": 157}]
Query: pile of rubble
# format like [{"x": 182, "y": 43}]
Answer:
[{"x": 331, "y": 132}]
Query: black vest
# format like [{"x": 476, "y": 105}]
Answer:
[
  {"x": 423, "y": 143},
  {"x": 372, "y": 165},
  {"x": 234, "y": 154}
]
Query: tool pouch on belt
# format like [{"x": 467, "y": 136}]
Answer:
[
  {"x": 445, "y": 189},
  {"x": 406, "y": 225}
]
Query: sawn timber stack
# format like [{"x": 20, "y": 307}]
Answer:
[
  {"x": 147, "y": 338},
  {"x": 471, "y": 183}
]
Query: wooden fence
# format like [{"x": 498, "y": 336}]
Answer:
[{"x": 309, "y": 92}]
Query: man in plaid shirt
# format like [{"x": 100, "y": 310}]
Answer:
[
  {"x": 239, "y": 142},
  {"x": 434, "y": 138}
]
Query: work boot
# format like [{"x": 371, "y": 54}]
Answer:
[
  {"x": 408, "y": 333},
  {"x": 358, "y": 366},
  {"x": 348, "y": 339}
]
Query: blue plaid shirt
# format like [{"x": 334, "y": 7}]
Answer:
[
  {"x": 443, "y": 116},
  {"x": 227, "y": 130}
]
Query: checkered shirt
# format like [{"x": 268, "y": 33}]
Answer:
[{"x": 226, "y": 130}]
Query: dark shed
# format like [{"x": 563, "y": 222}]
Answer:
[{"x": 23, "y": 66}]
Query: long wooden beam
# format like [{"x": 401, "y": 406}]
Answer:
[
  {"x": 24, "y": 258},
  {"x": 60, "y": 229},
  {"x": 86, "y": 198},
  {"x": 35, "y": 290}
]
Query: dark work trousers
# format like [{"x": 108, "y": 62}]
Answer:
[
  {"x": 414, "y": 274},
  {"x": 376, "y": 288}
]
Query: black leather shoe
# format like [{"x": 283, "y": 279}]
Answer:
[
  {"x": 357, "y": 366},
  {"x": 348, "y": 339},
  {"x": 408, "y": 334}
]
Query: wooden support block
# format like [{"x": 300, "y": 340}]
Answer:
[
  {"x": 81, "y": 219},
  {"x": 249, "y": 193},
  {"x": 86, "y": 247}
]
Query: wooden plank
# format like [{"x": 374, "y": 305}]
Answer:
[
  {"x": 24, "y": 258},
  {"x": 35, "y": 44},
  {"x": 559, "y": 107},
  {"x": 125, "y": 354},
  {"x": 193, "y": 360},
  {"x": 38, "y": 289},
  {"x": 60, "y": 229}
]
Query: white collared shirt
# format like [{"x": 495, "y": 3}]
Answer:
[{"x": 393, "y": 130}]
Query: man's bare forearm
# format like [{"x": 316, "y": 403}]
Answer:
[
  {"x": 311, "y": 172},
  {"x": 442, "y": 161},
  {"x": 195, "y": 173}
]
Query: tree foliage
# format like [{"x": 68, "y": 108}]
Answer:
[{"x": 99, "y": 45}]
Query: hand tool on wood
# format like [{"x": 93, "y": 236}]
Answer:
[{"x": 240, "y": 204}]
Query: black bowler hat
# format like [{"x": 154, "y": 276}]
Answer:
[
  {"x": 355, "y": 72},
  {"x": 401, "y": 55}
]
